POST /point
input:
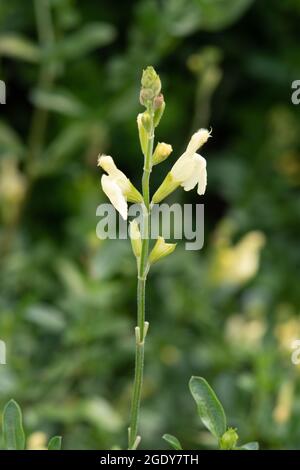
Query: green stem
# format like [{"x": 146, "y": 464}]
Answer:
[{"x": 141, "y": 328}]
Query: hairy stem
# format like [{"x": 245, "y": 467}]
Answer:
[{"x": 141, "y": 328}]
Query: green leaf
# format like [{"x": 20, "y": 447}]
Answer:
[
  {"x": 68, "y": 143},
  {"x": 14, "y": 437},
  {"x": 81, "y": 42},
  {"x": 47, "y": 317},
  {"x": 183, "y": 17},
  {"x": 209, "y": 407},
  {"x": 249, "y": 446},
  {"x": 59, "y": 101},
  {"x": 17, "y": 47},
  {"x": 219, "y": 14},
  {"x": 55, "y": 443},
  {"x": 173, "y": 441}
]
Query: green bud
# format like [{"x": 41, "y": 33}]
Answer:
[
  {"x": 146, "y": 121},
  {"x": 159, "y": 108},
  {"x": 158, "y": 102},
  {"x": 161, "y": 153},
  {"x": 143, "y": 135},
  {"x": 160, "y": 250},
  {"x": 151, "y": 85},
  {"x": 150, "y": 79},
  {"x": 135, "y": 237},
  {"x": 145, "y": 96},
  {"x": 229, "y": 439}
]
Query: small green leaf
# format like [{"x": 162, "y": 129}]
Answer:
[
  {"x": 14, "y": 437},
  {"x": 249, "y": 446},
  {"x": 209, "y": 407},
  {"x": 18, "y": 47},
  {"x": 173, "y": 441},
  {"x": 90, "y": 37},
  {"x": 58, "y": 100},
  {"x": 55, "y": 443},
  {"x": 46, "y": 317},
  {"x": 215, "y": 15}
]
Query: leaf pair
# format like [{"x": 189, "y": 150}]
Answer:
[{"x": 13, "y": 432}]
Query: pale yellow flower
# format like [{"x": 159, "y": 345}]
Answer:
[
  {"x": 188, "y": 171},
  {"x": 117, "y": 186}
]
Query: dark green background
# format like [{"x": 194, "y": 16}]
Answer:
[{"x": 67, "y": 300}]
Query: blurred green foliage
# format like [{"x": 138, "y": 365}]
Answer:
[{"x": 67, "y": 300}]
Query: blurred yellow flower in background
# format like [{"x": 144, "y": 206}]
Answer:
[
  {"x": 12, "y": 189},
  {"x": 37, "y": 441},
  {"x": 286, "y": 332},
  {"x": 283, "y": 408},
  {"x": 245, "y": 332},
  {"x": 288, "y": 164},
  {"x": 239, "y": 263}
]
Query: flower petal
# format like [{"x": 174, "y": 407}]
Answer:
[
  {"x": 182, "y": 169},
  {"x": 202, "y": 174},
  {"x": 197, "y": 176},
  {"x": 197, "y": 140},
  {"x": 115, "y": 195}
]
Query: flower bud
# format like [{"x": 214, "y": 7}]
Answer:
[
  {"x": 151, "y": 80},
  {"x": 160, "y": 250},
  {"x": 143, "y": 135},
  {"x": 151, "y": 85},
  {"x": 159, "y": 108},
  {"x": 229, "y": 439},
  {"x": 162, "y": 151},
  {"x": 146, "y": 121},
  {"x": 135, "y": 237},
  {"x": 145, "y": 96},
  {"x": 158, "y": 102}
]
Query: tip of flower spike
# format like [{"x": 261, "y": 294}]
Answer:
[
  {"x": 151, "y": 85},
  {"x": 149, "y": 77}
]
